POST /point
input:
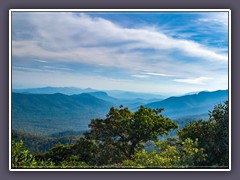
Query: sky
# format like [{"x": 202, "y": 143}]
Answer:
[{"x": 167, "y": 53}]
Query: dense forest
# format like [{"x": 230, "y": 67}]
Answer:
[{"x": 120, "y": 141}]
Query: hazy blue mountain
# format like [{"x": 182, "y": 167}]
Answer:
[
  {"x": 133, "y": 95},
  {"x": 194, "y": 92},
  {"x": 52, "y": 113},
  {"x": 186, "y": 105},
  {"x": 53, "y": 90},
  {"x": 104, "y": 96},
  {"x": 130, "y": 103},
  {"x": 116, "y": 97},
  {"x": 73, "y": 90}
]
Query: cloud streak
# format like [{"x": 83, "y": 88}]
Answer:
[
  {"x": 41, "y": 61},
  {"x": 158, "y": 74},
  {"x": 140, "y": 76},
  {"x": 199, "y": 80}
]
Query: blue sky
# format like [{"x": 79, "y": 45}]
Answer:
[{"x": 159, "y": 52}]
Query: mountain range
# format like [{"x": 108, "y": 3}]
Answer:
[
  {"x": 47, "y": 114},
  {"x": 126, "y": 95}
]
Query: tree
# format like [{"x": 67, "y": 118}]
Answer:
[
  {"x": 185, "y": 155},
  {"x": 73, "y": 162},
  {"x": 85, "y": 150},
  {"x": 58, "y": 153},
  {"x": 123, "y": 132},
  {"x": 212, "y": 135},
  {"x": 220, "y": 118},
  {"x": 21, "y": 158}
]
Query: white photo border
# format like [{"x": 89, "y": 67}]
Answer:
[{"x": 117, "y": 10}]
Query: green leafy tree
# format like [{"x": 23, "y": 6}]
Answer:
[
  {"x": 21, "y": 158},
  {"x": 212, "y": 136},
  {"x": 73, "y": 162},
  {"x": 123, "y": 132},
  {"x": 57, "y": 154},
  {"x": 85, "y": 150},
  {"x": 184, "y": 155},
  {"x": 220, "y": 118},
  {"x": 189, "y": 154},
  {"x": 82, "y": 152}
]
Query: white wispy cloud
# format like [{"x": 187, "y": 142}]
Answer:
[
  {"x": 139, "y": 76},
  {"x": 41, "y": 69},
  {"x": 81, "y": 34},
  {"x": 158, "y": 74},
  {"x": 41, "y": 61},
  {"x": 19, "y": 68},
  {"x": 57, "y": 68},
  {"x": 199, "y": 80}
]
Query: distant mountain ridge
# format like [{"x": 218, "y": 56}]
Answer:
[
  {"x": 104, "y": 96},
  {"x": 126, "y": 95},
  {"x": 190, "y": 104},
  {"x": 53, "y": 90},
  {"x": 130, "y": 103}
]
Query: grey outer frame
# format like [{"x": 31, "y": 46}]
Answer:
[
  {"x": 215, "y": 4},
  {"x": 11, "y": 11}
]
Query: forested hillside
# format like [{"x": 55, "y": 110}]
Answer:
[
  {"x": 194, "y": 104},
  {"x": 38, "y": 143},
  {"x": 52, "y": 113}
]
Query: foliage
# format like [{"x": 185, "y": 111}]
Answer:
[
  {"x": 212, "y": 135},
  {"x": 169, "y": 156},
  {"x": 190, "y": 154},
  {"x": 20, "y": 156},
  {"x": 73, "y": 162},
  {"x": 22, "y": 159},
  {"x": 85, "y": 150},
  {"x": 58, "y": 153},
  {"x": 123, "y": 132}
]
